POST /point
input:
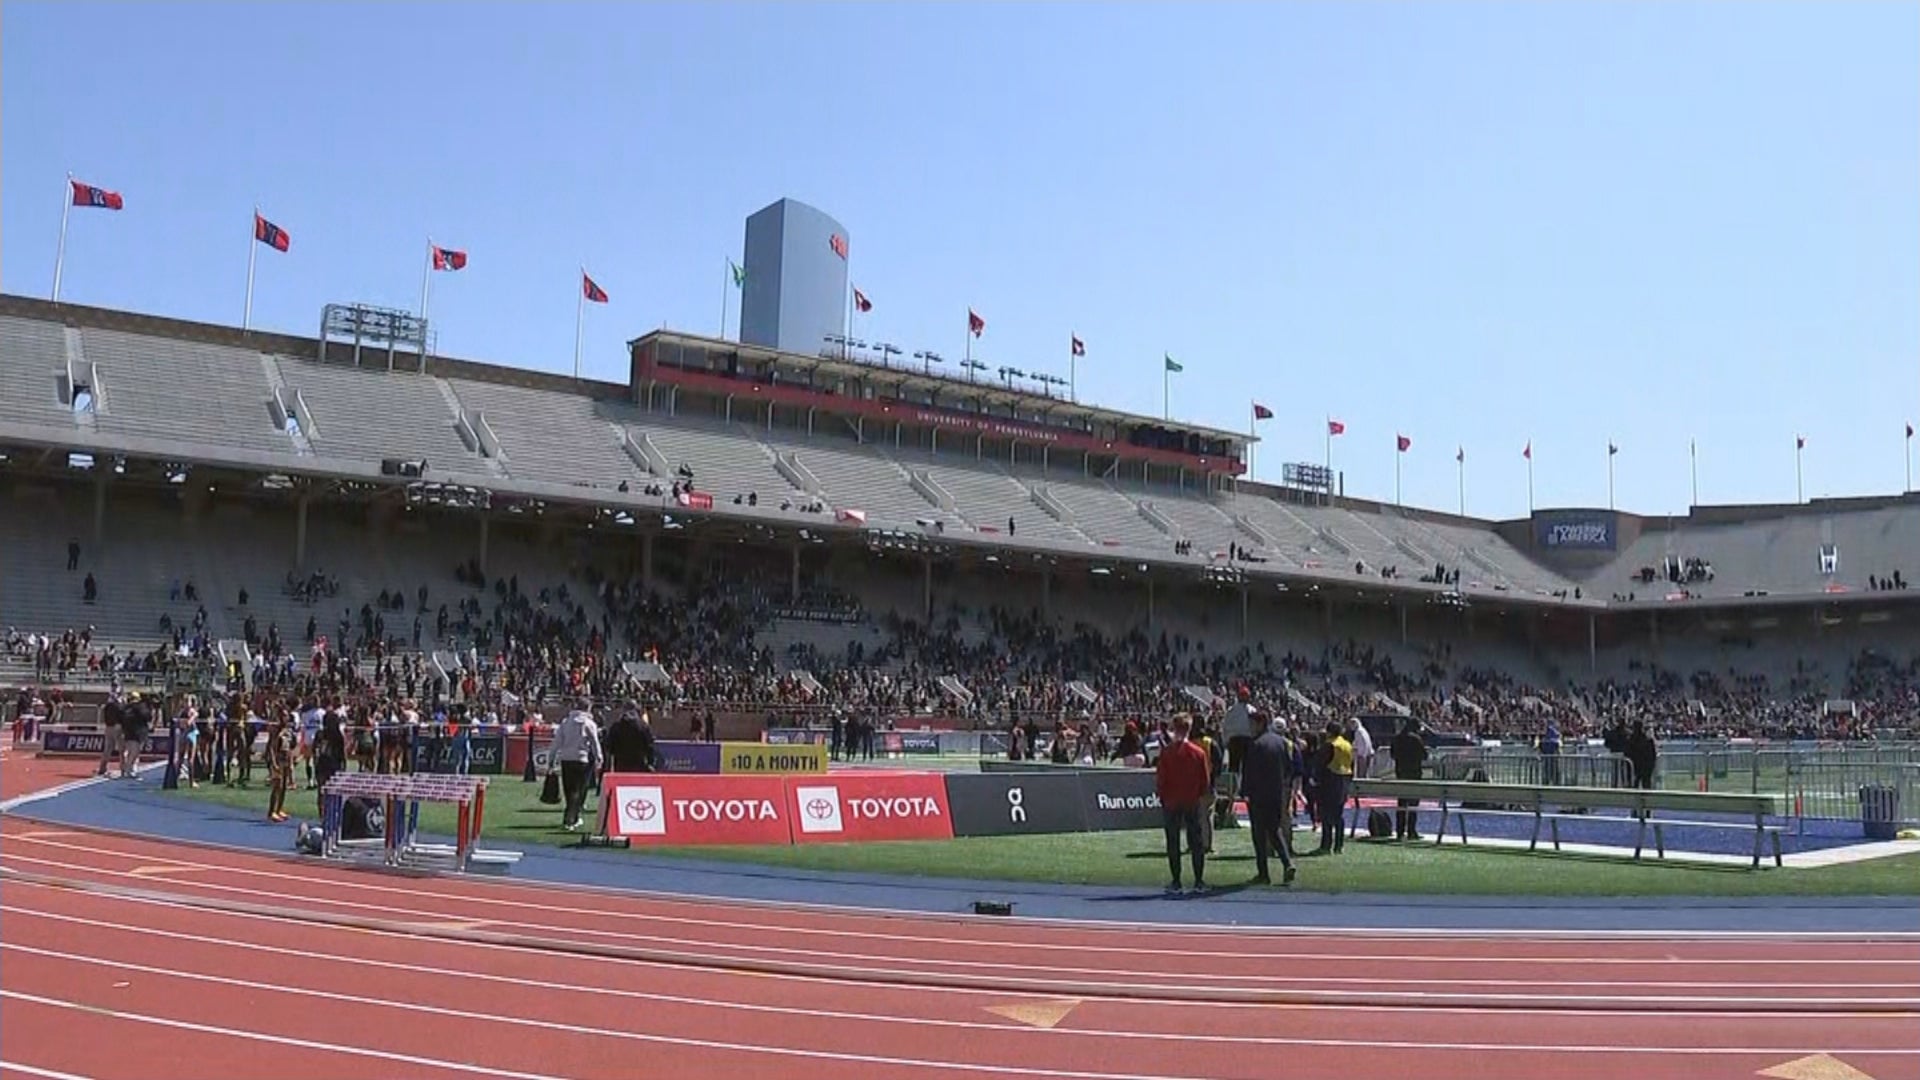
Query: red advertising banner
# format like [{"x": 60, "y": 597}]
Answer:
[
  {"x": 668, "y": 808},
  {"x": 885, "y": 806}
]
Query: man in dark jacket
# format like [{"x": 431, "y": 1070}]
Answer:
[
  {"x": 1643, "y": 754},
  {"x": 1409, "y": 759},
  {"x": 630, "y": 744},
  {"x": 1267, "y": 783}
]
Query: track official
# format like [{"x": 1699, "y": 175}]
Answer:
[{"x": 1267, "y": 783}]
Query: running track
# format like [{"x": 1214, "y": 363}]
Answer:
[{"x": 126, "y": 957}]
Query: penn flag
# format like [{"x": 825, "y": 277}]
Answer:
[
  {"x": 592, "y": 291},
  {"x": 1080, "y": 349},
  {"x": 839, "y": 244},
  {"x": 860, "y": 301},
  {"x": 270, "y": 234},
  {"x": 1174, "y": 365},
  {"x": 1909, "y": 431},
  {"x": 1335, "y": 427},
  {"x": 1461, "y": 455},
  {"x": 1612, "y": 449},
  {"x": 98, "y": 197},
  {"x": 975, "y": 324},
  {"x": 1403, "y": 443},
  {"x": 1261, "y": 412},
  {"x": 1799, "y": 442},
  {"x": 739, "y": 274},
  {"x": 1527, "y": 451},
  {"x": 448, "y": 259}
]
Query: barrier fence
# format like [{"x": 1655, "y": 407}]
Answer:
[{"x": 1876, "y": 784}]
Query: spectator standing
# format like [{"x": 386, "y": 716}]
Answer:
[
  {"x": 630, "y": 747},
  {"x": 1182, "y": 781},
  {"x": 1643, "y": 754},
  {"x": 280, "y": 747},
  {"x": 1362, "y": 740},
  {"x": 1336, "y": 775},
  {"x": 576, "y": 754},
  {"x": 73, "y": 556},
  {"x": 1409, "y": 752},
  {"x": 112, "y": 731},
  {"x": 136, "y": 719},
  {"x": 1267, "y": 783},
  {"x": 1550, "y": 754}
]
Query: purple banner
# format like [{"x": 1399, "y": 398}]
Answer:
[
  {"x": 56, "y": 742},
  {"x": 688, "y": 757}
]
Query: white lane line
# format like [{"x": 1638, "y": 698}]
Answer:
[
  {"x": 833, "y": 1055},
  {"x": 599, "y": 991},
  {"x": 817, "y": 980},
  {"x": 1105, "y": 927},
  {"x": 279, "y": 1040},
  {"x": 545, "y": 911},
  {"x": 35, "y": 1070},
  {"x": 1095, "y": 979}
]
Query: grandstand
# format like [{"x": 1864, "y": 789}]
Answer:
[{"x": 180, "y": 452}]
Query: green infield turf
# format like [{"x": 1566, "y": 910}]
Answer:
[{"x": 1137, "y": 859}]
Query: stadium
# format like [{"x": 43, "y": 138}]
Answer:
[{"x": 381, "y": 700}]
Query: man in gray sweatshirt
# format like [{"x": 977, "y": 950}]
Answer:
[{"x": 576, "y": 753}]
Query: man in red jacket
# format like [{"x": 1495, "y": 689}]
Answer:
[{"x": 1184, "y": 783}]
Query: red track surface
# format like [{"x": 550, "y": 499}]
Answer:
[{"x": 444, "y": 977}]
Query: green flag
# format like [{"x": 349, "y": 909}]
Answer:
[
  {"x": 1173, "y": 367},
  {"x": 739, "y": 275}
]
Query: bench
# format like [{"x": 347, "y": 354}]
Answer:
[{"x": 1550, "y": 805}]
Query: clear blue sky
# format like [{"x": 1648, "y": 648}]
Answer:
[{"x": 1475, "y": 225}]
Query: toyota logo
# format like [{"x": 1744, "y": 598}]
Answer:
[
  {"x": 641, "y": 809},
  {"x": 819, "y": 809}
]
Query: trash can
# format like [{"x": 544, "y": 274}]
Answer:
[{"x": 1880, "y": 812}]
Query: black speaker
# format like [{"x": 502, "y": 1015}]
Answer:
[{"x": 389, "y": 466}]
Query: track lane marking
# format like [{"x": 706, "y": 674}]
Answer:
[
  {"x": 533, "y": 951},
  {"x": 923, "y": 965},
  {"x": 1106, "y": 927},
  {"x": 958, "y": 943},
  {"x": 673, "y": 1040},
  {"x": 35, "y": 1070},
  {"x": 279, "y": 1040}
]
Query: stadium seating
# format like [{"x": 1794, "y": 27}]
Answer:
[
  {"x": 1108, "y": 517},
  {"x": 726, "y": 460},
  {"x": 370, "y": 414},
  {"x": 187, "y": 391},
  {"x": 552, "y": 437},
  {"x": 986, "y": 497},
  {"x": 1200, "y": 520},
  {"x": 32, "y": 356},
  {"x": 855, "y": 477}
]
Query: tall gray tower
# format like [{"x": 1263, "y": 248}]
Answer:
[{"x": 796, "y": 288}]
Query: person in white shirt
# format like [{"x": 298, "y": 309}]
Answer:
[
  {"x": 576, "y": 754},
  {"x": 1362, "y": 741}
]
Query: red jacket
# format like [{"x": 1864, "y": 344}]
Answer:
[{"x": 1181, "y": 778}]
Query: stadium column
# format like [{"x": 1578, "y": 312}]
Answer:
[
  {"x": 1593, "y": 645},
  {"x": 1046, "y": 593},
  {"x": 646, "y": 560},
  {"x": 793, "y": 587},
  {"x": 1244, "y": 625},
  {"x": 483, "y": 543},
  {"x": 1402, "y": 605},
  {"x": 300, "y": 532},
  {"x": 1150, "y": 623},
  {"x": 99, "y": 508},
  {"x": 926, "y": 587}
]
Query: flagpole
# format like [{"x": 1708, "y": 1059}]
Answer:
[
  {"x": 1397, "y": 455},
  {"x": 1693, "y": 452},
  {"x": 1328, "y": 427},
  {"x": 1253, "y": 421},
  {"x": 580, "y": 321},
  {"x": 1799, "y": 487},
  {"x": 60, "y": 256},
  {"x": 1073, "y": 367},
  {"x": 1460, "y": 460},
  {"x": 253, "y": 254},
  {"x": 1529, "y": 477},
  {"x": 1609, "y": 476},
  {"x": 969, "y": 345},
  {"x": 1906, "y": 456},
  {"x": 726, "y": 282},
  {"x": 426, "y": 282},
  {"x": 1166, "y": 391}
]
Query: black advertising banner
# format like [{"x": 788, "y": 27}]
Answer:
[
  {"x": 1007, "y": 804},
  {"x": 436, "y": 754},
  {"x": 1115, "y": 799}
]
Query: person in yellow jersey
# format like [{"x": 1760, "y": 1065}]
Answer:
[{"x": 1336, "y": 780}]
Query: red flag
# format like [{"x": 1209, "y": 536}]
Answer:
[
  {"x": 1402, "y": 442},
  {"x": 101, "y": 198},
  {"x": 839, "y": 244},
  {"x": 975, "y": 324},
  {"x": 1335, "y": 427},
  {"x": 1080, "y": 349},
  {"x": 1261, "y": 412},
  {"x": 593, "y": 292},
  {"x": 1528, "y": 452},
  {"x": 1799, "y": 442},
  {"x": 270, "y": 234},
  {"x": 1612, "y": 449},
  {"x": 860, "y": 301},
  {"x": 448, "y": 259},
  {"x": 1909, "y": 431},
  {"x": 1461, "y": 456}
]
